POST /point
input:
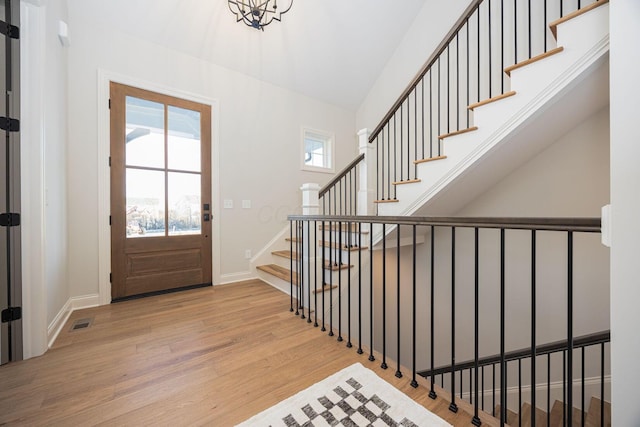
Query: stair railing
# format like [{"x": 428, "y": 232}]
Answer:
[
  {"x": 460, "y": 260},
  {"x": 470, "y": 65},
  {"x": 581, "y": 344}
]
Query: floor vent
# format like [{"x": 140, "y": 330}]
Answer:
[{"x": 81, "y": 324}]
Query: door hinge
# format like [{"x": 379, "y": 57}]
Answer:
[
  {"x": 9, "y": 124},
  {"x": 9, "y": 219},
  {"x": 9, "y": 30},
  {"x": 110, "y": 277},
  {"x": 109, "y": 161},
  {"x": 109, "y": 103},
  {"x": 109, "y": 219},
  {"x": 12, "y": 313}
]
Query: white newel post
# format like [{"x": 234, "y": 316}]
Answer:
[
  {"x": 366, "y": 192},
  {"x": 310, "y": 206}
]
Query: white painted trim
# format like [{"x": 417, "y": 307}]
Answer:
[
  {"x": 104, "y": 190},
  {"x": 225, "y": 279},
  {"x": 72, "y": 304},
  {"x": 331, "y": 138},
  {"x": 32, "y": 173},
  {"x": 265, "y": 253}
]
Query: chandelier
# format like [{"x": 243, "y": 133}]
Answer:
[{"x": 259, "y": 13}]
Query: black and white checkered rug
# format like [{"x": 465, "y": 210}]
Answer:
[{"x": 355, "y": 396}]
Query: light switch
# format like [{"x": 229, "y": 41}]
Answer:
[
  {"x": 228, "y": 204},
  {"x": 246, "y": 204}
]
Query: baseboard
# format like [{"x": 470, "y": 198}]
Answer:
[
  {"x": 225, "y": 279},
  {"x": 72, "y": 304}
]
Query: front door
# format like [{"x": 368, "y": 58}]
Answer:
[{"x": 160, "y": 192}]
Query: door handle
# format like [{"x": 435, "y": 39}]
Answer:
[{"x": 207, "y": 217}]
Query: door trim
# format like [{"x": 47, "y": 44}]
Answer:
[{"x": 104, "y": 175}]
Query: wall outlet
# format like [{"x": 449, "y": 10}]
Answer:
[{"x": 247, "y": 254}]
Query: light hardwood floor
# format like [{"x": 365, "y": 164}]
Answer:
[{"x": 212, "y": 356}]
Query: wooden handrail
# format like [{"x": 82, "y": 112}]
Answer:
[
  {"x": 341, "y": 175},
  {"x": 427, "y": 66},
  {"x": 554, "y": 347},
  {"x": 589, "y": 225}
]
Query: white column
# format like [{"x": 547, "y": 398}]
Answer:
[{"x": 366, "y": 192}]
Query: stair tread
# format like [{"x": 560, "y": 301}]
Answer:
[
  {"x": 593, "y": 416},
  {"x": 458, "y": 132},
  {"x": 554, "y": 25},
  {"x": 490, "y": 100},
  {"x": 386, "y": 201},
  {"x": 325, "y": 288},
  {"x": 345, "y": 227},
  {"x": 295, "y": 239},
  {"x": 531, "y": 60},
  {"x": 429, "y": 159},
  {"x": 335, "y": 245},
  {"x": 288, "y": 255},
  {"x": 408, "y": 181},
  {"x": 279, "y": 272}
]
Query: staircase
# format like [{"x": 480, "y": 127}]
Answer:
[
  {"x": 543, "y": 96},
  {"x": 598, "y": 414}
]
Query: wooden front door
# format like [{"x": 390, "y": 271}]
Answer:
[{"x": 160, "y": 192}]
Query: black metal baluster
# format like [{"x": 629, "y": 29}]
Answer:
[
  {"x": 340, "y": 211},
  {"x": 298, "y": 282},
  {"x": 533, "y": 327},
  {"x": 570, "y": 327},
  {"x": 389, "y": 156},
  {"x": 503, "y": 74},
  {"x": 315, "y": 274},
  {"x": 382, "y": 183},
  {"x": 308, "y": 271},
  {"x": 468, "y": 82},
  {"x": 432, "y": 392},
  {"x": 291, "y": 263},
  {"x": 448, "y": 90},
  {"x": 339, "y": 266},
  {"x": 371, "y": 357},
  {"x": 430, "y": 114},
  {"x": 324, "y": 269},
  {"x": 478, "y": 41},
  {"x": 520, "y": 391},
  {"x": 439, "y": 110},
  {"x": 457, "y": 81},
  {"x": 331, "y": 263},
  {"x": 561, "y": 12},
  {"x": 415, "y": 134},
  {"x": 515, "y": 31},
  {"x": 582, "y": 383},
  {"x": 360, "y": 288},
  {"x": 384, "y": 297},
  {"x": 529, "y": 17},
  {"x": 548, "y": 389},
  {"x": 602, "y": 384},
  {"x": 398, "y": 372},
  {"x": 378, "y": 167},
  {"x": 493, "y": 383},
  {"x": 409, "y": 136},
  {"x": 544, "y": 24},
  {"x": 489, "y": 45},
  {"x": 476, "y": 314},
  {"x": 401, "y": 144},
  {"x": 482, "y": 379},
  {"x": 414, "y": 383},
  {"x": 564, "y": 388},
  {"x": 503, "y": 364},
  {"x": 348, "y": 270},
  {"x": 422, "y": 118},
  {"x": 395, "y": 152},
  {"x": 453, "y": 407}
]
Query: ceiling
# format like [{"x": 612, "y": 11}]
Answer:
[{"x": 332, "y": 50}]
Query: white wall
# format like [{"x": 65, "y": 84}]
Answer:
[
  {"x": 258, "y": 139},
  {"x": 625, "y": 205},
  {"x": 43, "y": 160},
  {"x": 431, "y": 25}
]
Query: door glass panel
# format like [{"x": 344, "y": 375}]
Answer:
[
  {"x": 144, "y": 133},
  {"x": 145, "y": 203},
  {"x": 184, "y": 139},
  {"x": 184, "y": 203}
]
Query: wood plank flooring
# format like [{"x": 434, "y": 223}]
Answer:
[{"x": 212, "y": 356}]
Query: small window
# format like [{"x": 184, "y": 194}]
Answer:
[{"x": 317, "y": 151}]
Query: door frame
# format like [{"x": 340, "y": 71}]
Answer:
[{"x": 104, "y": 173}]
